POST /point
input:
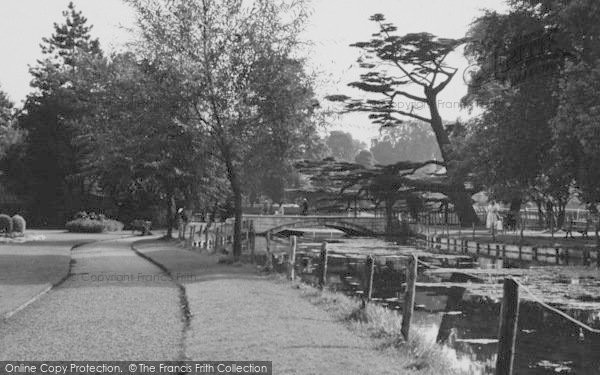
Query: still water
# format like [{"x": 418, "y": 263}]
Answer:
[{"x": 465, "y": 323}]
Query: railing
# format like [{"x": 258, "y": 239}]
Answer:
[{"x": 527, "y": 218}]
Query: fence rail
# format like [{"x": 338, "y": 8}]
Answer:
[{"x": 527, "y": 218}]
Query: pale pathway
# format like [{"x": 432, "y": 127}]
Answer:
[
  {"x": 115, "y": 305},
  {"x": 237, "y": 315}
]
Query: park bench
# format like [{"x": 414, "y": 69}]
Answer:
[
  {"x": 144, "y": 226},
  {"x": 580, "y": 226}
]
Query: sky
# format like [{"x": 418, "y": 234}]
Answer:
[{"x": 334, "y": 25}]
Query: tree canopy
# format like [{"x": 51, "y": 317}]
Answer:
[{"x": 536, "y": 85}]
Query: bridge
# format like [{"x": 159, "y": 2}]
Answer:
[{"x": 363, "y": 226}]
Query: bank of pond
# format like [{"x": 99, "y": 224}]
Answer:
[{"x": 459, "y": 296}]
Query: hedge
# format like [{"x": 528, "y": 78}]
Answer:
[{"x": 93, "y": 226}]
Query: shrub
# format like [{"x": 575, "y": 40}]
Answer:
[
  {"x": 85, "y": 226},
  {"x": 19, "y": 223},
  {"x": 93, "y": 226},
  {"x": 112, "y": 225},
  {"x": 6, "y": 224}
]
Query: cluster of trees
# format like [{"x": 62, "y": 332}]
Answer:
[
  {"x": 538, "y": 86},
  {"x": 209, "y": 105},
  {"x": 536, "y": 83}
]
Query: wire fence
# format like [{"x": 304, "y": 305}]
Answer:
[{"x": 533, "y": 296}]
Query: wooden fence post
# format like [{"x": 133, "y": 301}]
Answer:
[
  {"x": 292, "y": 260},
  {"x": 557, "y": 255},
  {"x": 190, "y": 239},
  {"x": 206, "y": 238},
  {"x": 252, "y": 243},
  {"x": 473, "y": 230},
  {"x": 534, "y": 253},
  {"x": 323, "y": 275},
  {"x": 509, "y": 316},
  {"x": 409, "y": 297},
  {"x": 370, "y": 268}
]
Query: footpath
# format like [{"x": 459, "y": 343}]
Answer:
[
  {"x": 30, "y": 269},
  {"x": 237, "y": 314}
]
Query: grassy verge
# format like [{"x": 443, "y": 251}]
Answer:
[{"x": 421, "y": 353}]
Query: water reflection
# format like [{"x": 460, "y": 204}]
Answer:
[{"x": 465, "y": 323}]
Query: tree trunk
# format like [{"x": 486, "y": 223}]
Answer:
[
  {"x": 515, "y": 205},
  {"x": 560, "y": 220},
  {"x": 463, "y": 205},
  {"x": 237, "y": 204},
  {"x": 539, "y": 203},
  {"x": 462, "y": 201}
]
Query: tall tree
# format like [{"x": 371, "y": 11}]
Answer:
[
  {"x": 243, "y": 78},
  {"x": 397, "y": 68},
  {"x": 520, "y": 146},
  {"x": 52, "y": 158},
  {"x": 142, "y": 152},
  {"x": 11, "y": 148},
  {"x": 576, "y": 129}
]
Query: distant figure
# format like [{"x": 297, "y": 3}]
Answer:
[
  {"x": 491, "y": 221},
  {"x": 181, "y": 223},
  {"x": 304, "y": 205},
  {"x": 280, "y": 210}
]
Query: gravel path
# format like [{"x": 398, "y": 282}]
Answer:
[
  {"x": 113, "y": 306},
  {"x": 28, "y": 269},
  {"x": 238, "y": 315}
]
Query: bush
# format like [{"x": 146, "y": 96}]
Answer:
[
  {"x": 85, "y": 226},
  {"x": 6, "y": 224},
  {"x": 112, "y": 225},
  {"x": 19, "y": 223},
  {"x": 93, "y": 226}
]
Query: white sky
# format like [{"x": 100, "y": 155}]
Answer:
[{"x": 334, "y": 25}]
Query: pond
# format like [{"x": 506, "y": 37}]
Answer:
[{"x": 464, "y": 321}]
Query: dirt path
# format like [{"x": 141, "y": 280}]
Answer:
[{"x": 238, "y": 315}]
